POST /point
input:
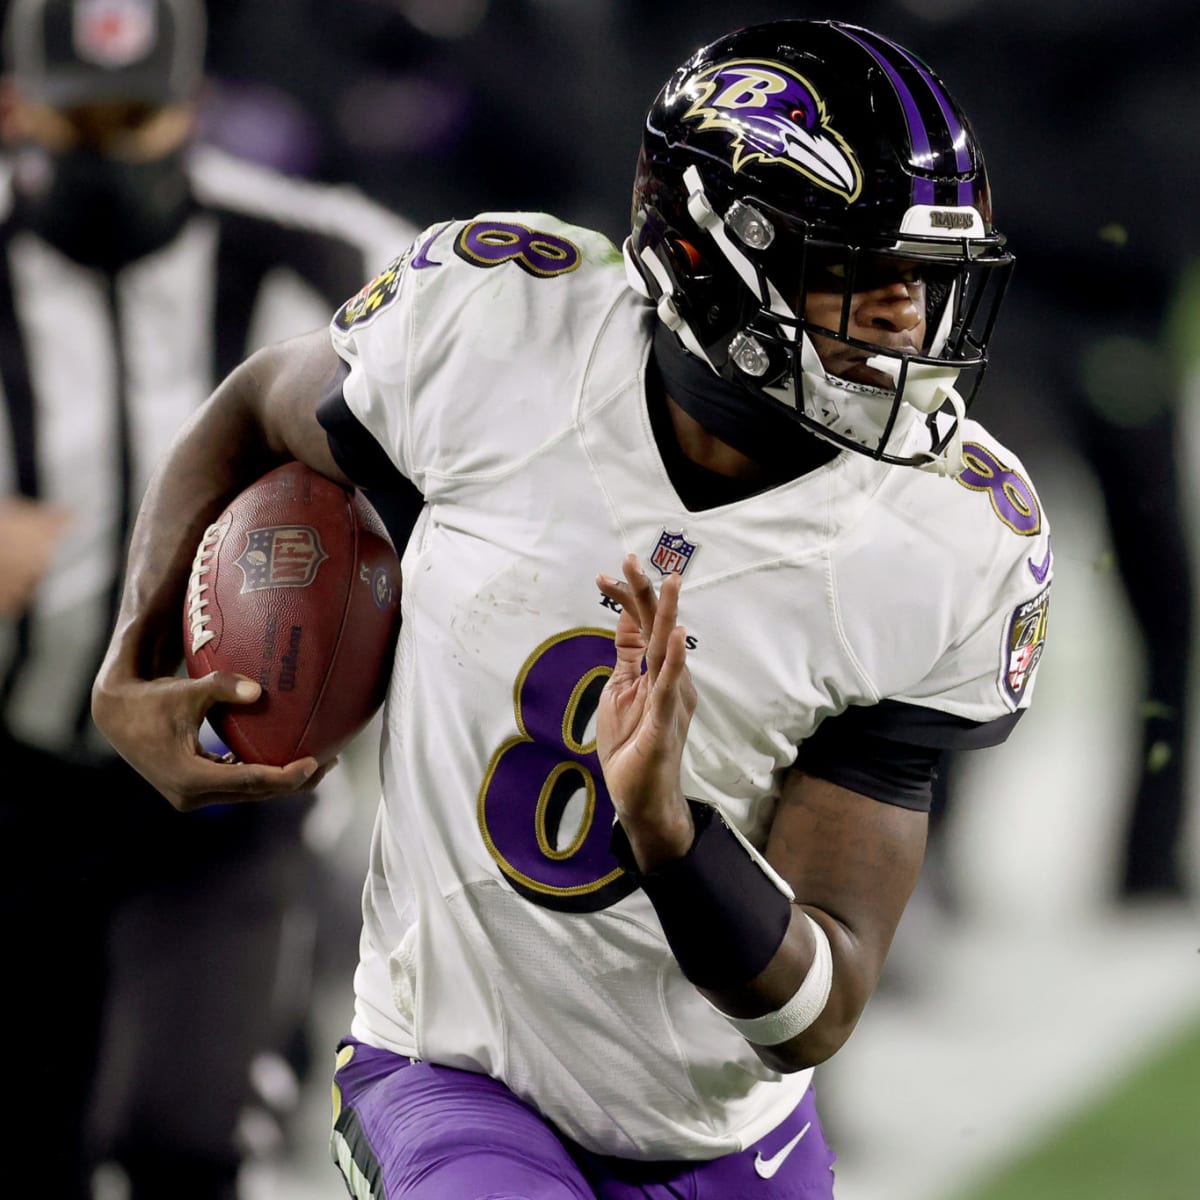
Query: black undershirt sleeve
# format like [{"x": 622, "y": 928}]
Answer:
[
  {"x": 395, "y": 498},
  {"x": 891, "y": 751}
]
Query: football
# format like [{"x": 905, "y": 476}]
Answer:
[{"x": 296, "y": 585}]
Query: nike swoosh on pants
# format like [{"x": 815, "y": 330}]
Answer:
[{"x": 766, "y": 1167}]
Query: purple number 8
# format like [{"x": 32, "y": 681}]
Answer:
[
  {"x": 533, "y": 777},
  {"x": 1012, "y": 498},
  {"x": 492, "y": 243}
]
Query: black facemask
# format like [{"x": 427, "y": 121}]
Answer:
[{"x": 102, "y": 212}]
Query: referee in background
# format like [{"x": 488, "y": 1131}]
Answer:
[{"x": 144, "y": 949}]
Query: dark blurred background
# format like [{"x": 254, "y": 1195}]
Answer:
[{"x": 1088, "y": 112}]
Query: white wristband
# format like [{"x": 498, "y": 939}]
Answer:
[{"x": 802, "y": 1009}]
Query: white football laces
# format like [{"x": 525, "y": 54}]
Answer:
[{"x": 198, "y": 619}]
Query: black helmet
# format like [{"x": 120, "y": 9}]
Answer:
[{"x": 794, "y": 154}]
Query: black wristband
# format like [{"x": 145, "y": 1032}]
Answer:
[{"x": 723, "y": 916}]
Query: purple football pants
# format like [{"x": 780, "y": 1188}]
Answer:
[{"x": 423, "y": 1132}]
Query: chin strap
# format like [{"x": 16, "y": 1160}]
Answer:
[{"x": 927, "y": 388}]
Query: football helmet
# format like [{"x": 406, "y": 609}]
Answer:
[{"x": 797, "y": 158}]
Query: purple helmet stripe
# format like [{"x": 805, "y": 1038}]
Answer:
[
  {"x": 958, "y": 135},
  {"x": 918, "y": 135},
  {"x": 920, "y": 140}
]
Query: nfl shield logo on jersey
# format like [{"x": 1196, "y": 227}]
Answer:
[{"x": 673, "y": 553}]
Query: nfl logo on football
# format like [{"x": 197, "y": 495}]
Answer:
[
  {"x": 673, "y": 553},
  {"x": 280, "y": 556}
]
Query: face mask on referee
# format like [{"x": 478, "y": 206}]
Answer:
[
  {"x": 104, "y": 183},
  {"x": 101, "y": 211}
]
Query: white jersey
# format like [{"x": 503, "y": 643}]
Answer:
[{"x": 501, "y": 366}]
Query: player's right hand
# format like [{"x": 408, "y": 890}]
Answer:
[{"x": 155, "y": 726}]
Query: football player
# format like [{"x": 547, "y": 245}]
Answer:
[{"x": 631, "y": 880}]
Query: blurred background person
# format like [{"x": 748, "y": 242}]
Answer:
[{"x": 136, "y": 268}]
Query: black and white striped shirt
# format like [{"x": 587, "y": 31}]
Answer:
[{"x": 99, "y": 371}]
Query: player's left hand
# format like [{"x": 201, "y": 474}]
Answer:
[{"x": 644, "y": 714}]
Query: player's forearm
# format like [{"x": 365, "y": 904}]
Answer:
[
  {"x": 791, "y": 979},
  {"x": 794, "y": 967},
  {"x": 221, "y": 450}
]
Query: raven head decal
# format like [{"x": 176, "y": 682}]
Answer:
[{"x": 775, "y": 116}]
